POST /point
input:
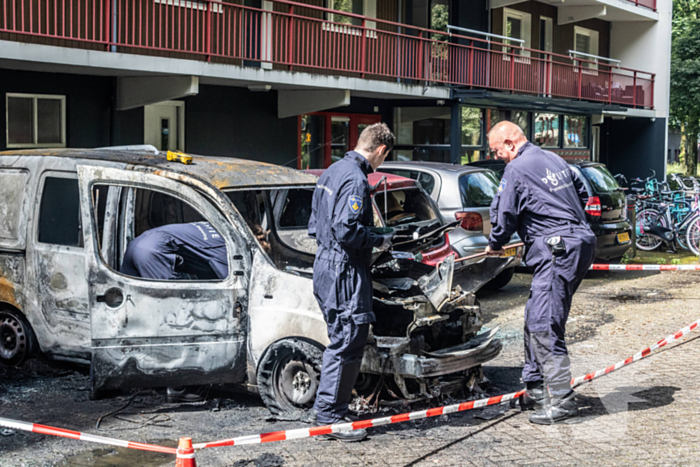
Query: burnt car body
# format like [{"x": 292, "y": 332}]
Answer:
[
  {"x": 69, "y": 214},
  {"x": 401, "y": 204}
]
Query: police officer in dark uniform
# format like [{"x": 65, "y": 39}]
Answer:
[
  {"x": 341, "y": 212},
  {"x": 542, "y": 199},
  {"x": 177, "y": 252},
  {"x": 170, "y": 251}
]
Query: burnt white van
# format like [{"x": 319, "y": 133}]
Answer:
[{"x": 68, "y": 215}]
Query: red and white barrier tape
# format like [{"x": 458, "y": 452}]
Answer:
[
  {"x": 645, "y": 267},
  {"x": 342, "y": 427},
  {"x": 638, "y": 356},
  {"x": 52, "y": 431}
]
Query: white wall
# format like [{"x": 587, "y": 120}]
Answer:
[{"x": 646, "y": 46}]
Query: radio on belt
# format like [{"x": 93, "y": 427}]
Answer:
[{"x": 179, "y": 157}]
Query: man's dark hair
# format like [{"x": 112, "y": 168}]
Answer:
[{"x": 374, "y": 136}]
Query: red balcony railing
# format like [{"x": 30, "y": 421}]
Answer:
[
  {"x": 651, "y": 4},
  {"x": 296, "y": 37}
]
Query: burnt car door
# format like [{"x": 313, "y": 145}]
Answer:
[{"x": 147, "y": 332}]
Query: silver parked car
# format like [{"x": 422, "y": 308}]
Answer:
[{"x": 463, "y": 193}]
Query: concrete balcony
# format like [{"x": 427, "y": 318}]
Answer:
[{"x": 294, "y": 45}]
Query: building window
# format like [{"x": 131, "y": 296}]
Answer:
[
  {"x": 347, "y": 6},
  {"x": 546, "y": 28},
  {"x": 575, "y": 131},
  {"x": 518, "y": 25},
  {"x": 472, "y": 134},
  {"x": 586, "y": 41},
  {"x": 358, "y": 7},
  {"x": 422, "y": 133},
  {"x": 200, "y": 5},
  {"x": 439, "y": 18},
  {"x": 471, "y": 126},
  {"x": 36, "y": 121},
  {"x": 494, "y": 116},
  {"x": 522, "y": 120},
  {"x": 547, "y": 130}
]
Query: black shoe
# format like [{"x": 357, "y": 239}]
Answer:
[
  {"x": 185, "y": 394},
  {"x": 533, "y": 399},
  {"x": 346, "y": 436},
  {"x": 560, "y": 410},
  {"x": 349, "y": 418}
]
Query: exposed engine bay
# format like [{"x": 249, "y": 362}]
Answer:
[{"x": 425, "y": 340}]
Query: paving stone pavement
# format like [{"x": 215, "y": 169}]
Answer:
[{"x": 645, "y": 414}]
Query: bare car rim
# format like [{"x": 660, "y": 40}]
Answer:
[
  {"x": 288, "y": 377},
  {"x": 14, "y": 339}
]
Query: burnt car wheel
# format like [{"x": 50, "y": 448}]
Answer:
[
  {"x": 288, "y": 377},
  {"x": 500, "y": 280},
  {"x": 17, "y": 341}
]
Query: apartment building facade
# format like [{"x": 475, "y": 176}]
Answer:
[{"x": 294, "y": 83}]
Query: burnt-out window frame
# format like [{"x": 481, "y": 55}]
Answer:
[
  {"x": 40, "y": 209},
  {"x": 377, "y": 209},
  {"x": 129, "y": 210}
]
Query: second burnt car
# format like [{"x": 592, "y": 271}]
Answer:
[{"x": 70, "y": 215}]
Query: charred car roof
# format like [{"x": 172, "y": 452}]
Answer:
[{"x": 222, "y": 172}]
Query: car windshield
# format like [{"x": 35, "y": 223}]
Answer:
[
  {"x": 478, "y": 189},
  {"x": 405, "y": 206},
  {"x": 600, "y": 178}
]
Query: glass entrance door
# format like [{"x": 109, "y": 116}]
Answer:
[{"x": 326, "y": 137}]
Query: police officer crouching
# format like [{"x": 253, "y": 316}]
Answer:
[
  {"x": 542, "y": 199},
  {"x": 340, "y": 216}
]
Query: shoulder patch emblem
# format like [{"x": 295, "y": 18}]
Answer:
[
  {"x": 502, "y": 186},
  {"x": 355, "y": 203}
]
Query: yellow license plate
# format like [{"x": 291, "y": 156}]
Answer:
[
  {"x": 623, "y": 237},
  {"x": 510, "y": 252}
]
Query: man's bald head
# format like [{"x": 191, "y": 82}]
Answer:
[{"x": 505, "y": 139}]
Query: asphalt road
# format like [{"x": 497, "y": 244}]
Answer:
[{"x": 645, "y": 414}]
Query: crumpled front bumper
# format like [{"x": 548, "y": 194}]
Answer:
[{"x": 388, "y": 357}]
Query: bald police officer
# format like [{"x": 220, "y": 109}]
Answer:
[
  {"x": 341, "y": 213},
  {"x": 542, "y": 199}
]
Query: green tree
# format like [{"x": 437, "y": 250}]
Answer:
[{"x": 685, "y": 77}]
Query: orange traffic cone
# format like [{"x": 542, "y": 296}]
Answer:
[{"x": 185, "y": 454}]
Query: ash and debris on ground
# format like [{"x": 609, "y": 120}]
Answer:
[{"x": 614, "y": 315}]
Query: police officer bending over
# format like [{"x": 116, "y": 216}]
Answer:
[
  {"x": 176, "y": 252},
  {"x": 542, "y": 199},
  {"x": 341, "y": 212}
]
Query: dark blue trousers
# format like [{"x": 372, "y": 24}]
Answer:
[
  {"x": 554, "y": 282},
  {"x": 343, "y": 291}
]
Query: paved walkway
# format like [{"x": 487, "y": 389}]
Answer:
[{"x": 645, "y": 414}]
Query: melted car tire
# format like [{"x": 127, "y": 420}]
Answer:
[
  {"x": 17, "y": 339},
  {"x": 288, "y": 378},
  {"x": 501, "y": 280}
]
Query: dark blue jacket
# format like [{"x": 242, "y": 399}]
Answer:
[
  {"x": 341, "y": 211},
  {"x": 538, "y": 194},
  {"x": 168, "y": 251}
]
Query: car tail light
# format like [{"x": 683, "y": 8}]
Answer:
[
  {"x": 470, "y": 220},
  {"x": 593, "y": 206}
]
